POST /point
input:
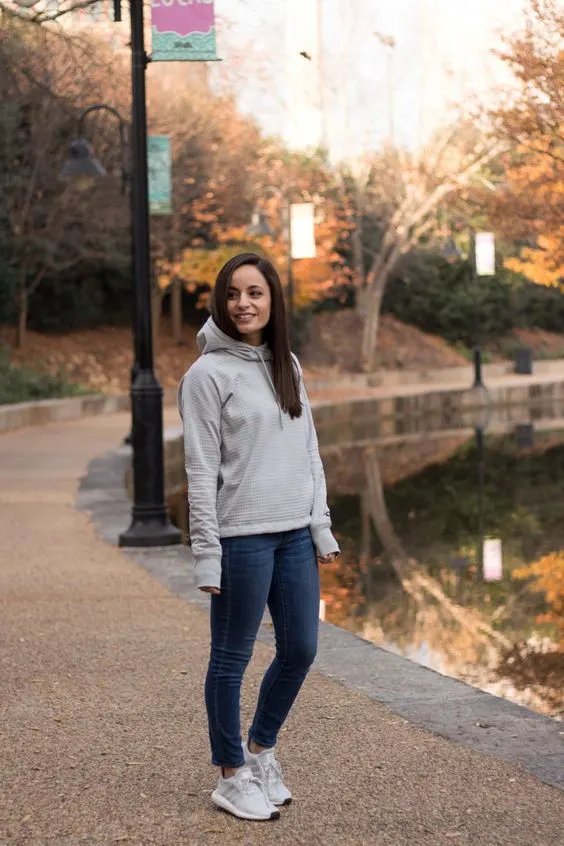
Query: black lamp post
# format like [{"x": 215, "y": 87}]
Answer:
[
  {"x": 150, "y": 525},
  {"x": 477, "y": 350}
]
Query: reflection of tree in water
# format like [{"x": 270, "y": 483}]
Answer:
[
  {"x": 420, "y": 617},
  {"x": 537, "y": 668},
  {"x": 347, "y": 583},
  {"x": 447, "y": 626}
]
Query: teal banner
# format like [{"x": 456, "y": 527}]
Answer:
[
  {"x": 159, "y": 161},
  {"x": 183, "y": 31}
]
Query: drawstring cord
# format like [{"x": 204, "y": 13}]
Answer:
[{"x": 265, "y": 368}]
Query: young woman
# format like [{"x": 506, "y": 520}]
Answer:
[{"x": 258, "y": 522}]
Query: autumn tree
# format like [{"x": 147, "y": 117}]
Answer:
[
  {"x": 49, "y": 229},
  {"x": 281, "y": 179},
  {"x": 528, "y": 207},
  {"x": 392, "y": 201},
  {"x": 213, "y": 154},
  {"x": 243, "y": 172},
  {"x": 222, "y": 169}
]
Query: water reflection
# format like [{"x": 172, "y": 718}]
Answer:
[{"x": 412, "y": 517}]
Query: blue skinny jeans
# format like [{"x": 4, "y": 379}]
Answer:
[{"x": 279, "y": 570}]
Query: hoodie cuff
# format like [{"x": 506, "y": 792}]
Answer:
[
  {"x": 208, "y": 573},
  {"x": 324, "y": 541}
]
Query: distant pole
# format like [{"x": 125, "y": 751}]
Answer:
[
  {"x": 482, "y": 261},
  {"x": 476, "y": 351},
  {"x": 321, "y": 75},
  {"x": 391, "y": 110},
  {"x": 290, "y": 287},
  {"x": 480, "y": 450},
  {"x": 389, "y": 43}
]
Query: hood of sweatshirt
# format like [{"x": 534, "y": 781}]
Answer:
[{"x": 211, "y": 339}]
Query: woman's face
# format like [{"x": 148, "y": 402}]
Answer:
[{"x": 249, "y": 303}]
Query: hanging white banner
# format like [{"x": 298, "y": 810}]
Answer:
[
  {"x": 485, "y": 254},
  {"x": 302, "y": 230},
  {"x": 493, "y": 560}
]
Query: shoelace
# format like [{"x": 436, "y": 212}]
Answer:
[
  {"x": 272, "y": 766},
  {"x": 248, "y": 782}
]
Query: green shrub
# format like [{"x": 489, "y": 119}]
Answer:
[
  {"x": 537, "y": 307},
  {"x": 20, "y": 384},
  {"x": 98, "y": 296},
  {"x": 442, "y": 298}
]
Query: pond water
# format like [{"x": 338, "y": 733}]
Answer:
[{"x": 411, "y": 516}]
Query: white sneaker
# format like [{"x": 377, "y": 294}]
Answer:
[
  {"x": 244, "y": 796},
  {"x": 266, "y": 768}
]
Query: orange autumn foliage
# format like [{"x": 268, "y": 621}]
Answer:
[
  {"x": 540, "y": 208},
  {"x": 198, "y": 266},
  {"x": 529, "y": 204},
  {"x": 547, "y": 576}
]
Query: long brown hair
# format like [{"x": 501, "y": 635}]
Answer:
[{"x": 284, "y": 373}]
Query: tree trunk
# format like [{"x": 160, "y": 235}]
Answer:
[
  {"x": 357, "y": 252},
  {"x": 419, "y": 584},
  {"x": 361, "y": 298},
  {"x": 156, "y": 303},
  {"x": 22, "y": 321},
  {"x": 176, "y": 309},
  {"x": 372, "y": 304},
  {"x": 376, "y": 504}
]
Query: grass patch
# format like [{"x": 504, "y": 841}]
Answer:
[
  {"x": 468, "y": 354},
  {"x": 21, "y": 384}
]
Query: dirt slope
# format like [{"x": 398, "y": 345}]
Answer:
[{"x": 100, "y": 359}]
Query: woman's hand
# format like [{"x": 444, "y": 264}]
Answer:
[
  {"x": 214, "y": 590},
  {"x": 328, "y": 559}
]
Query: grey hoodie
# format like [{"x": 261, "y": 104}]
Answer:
[{"x": 251, "y": 468}]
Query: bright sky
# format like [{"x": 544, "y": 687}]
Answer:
[{"x": 442, "y": 55}]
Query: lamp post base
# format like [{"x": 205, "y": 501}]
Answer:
[
  {"x": 150, "y": 524},
  {"x": 150, "y": 533}
]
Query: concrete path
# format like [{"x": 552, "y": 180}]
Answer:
[{"x": 102, "y": 727}]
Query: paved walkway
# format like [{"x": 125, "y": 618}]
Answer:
[{"x": 102, "y": 726}]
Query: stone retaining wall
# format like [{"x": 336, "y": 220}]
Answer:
[
  {"x": 23, "y": 414},
  {"x": 436, "y": 410},
  {"x": 426, "y": 412},
  {"x": 404, "y": 410}
]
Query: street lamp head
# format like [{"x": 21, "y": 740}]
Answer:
[
  {"x": 81, "y": 164},
  {"x": 259, "y": 226}
]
